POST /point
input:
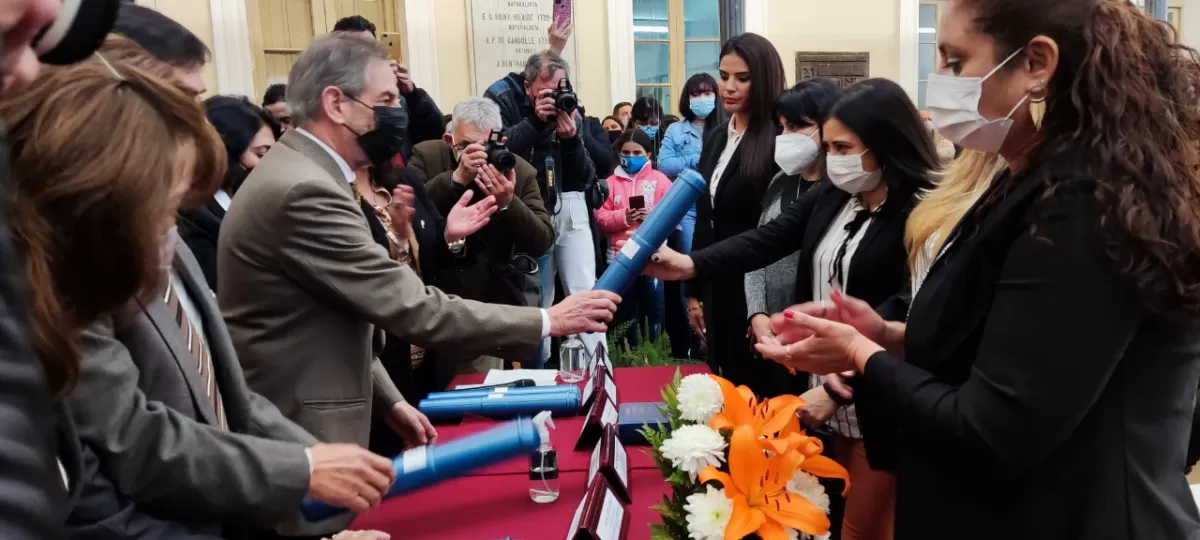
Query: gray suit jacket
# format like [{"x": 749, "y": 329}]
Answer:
[
  {"x": 140, "y": 406},
  {"x": 95, "y": 511},
  {"x": 303, "y": 285}
]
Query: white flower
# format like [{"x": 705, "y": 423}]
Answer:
[
  {"x": 692, "y": 448},
  {"x": 808, "y": 486},
  {"x": 708, "y": 514},
  {"x": 700, "y": 399}
]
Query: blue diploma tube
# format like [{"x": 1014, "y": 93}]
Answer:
[
  {"x": 427, "y": 465},
  {"x": 559, "y": 389},
  {"x": 502, "y": 405},
  {"x": 667, "y": 215}
]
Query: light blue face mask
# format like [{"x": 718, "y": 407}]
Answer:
[
  {"x": 633, "y": 164},
  {"x": 651, "y": 131},
  {"x": 703, "y": 106}
]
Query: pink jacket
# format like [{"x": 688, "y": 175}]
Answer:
[{"x": 611, "y": 216}]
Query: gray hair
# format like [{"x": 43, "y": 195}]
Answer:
[
  {"x": 545, "y": 61},
  {"x": 338, "y": 60},
  {"x": 482, "y": 113}
]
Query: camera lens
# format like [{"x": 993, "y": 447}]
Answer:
[
  {"x": 567, "y": 102},
  {"x": 502, "y": 159}
]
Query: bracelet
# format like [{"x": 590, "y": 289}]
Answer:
[{"x": 457, "y": 245}]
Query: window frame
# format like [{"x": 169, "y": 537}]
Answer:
[
  {"x": 938, "y": 6},
  {"x": 677, "y": 43}
]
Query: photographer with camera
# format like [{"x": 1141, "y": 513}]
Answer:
[
  {"x": 543, "y": 125},
  {"x": 499, "y": 265}
]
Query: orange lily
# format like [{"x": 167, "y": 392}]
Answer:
[
  {"x": 757, "y": 485},
  {"x": 776, "y": 427},
  {"x": 769, "y": 417}
]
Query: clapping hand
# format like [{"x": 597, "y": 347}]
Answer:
[
  {"x": 830, "y": 347},
  {"x": 842, "y": 308},
  {"x": 464, "y": 220},
  {"x": 400, "y": 211}
]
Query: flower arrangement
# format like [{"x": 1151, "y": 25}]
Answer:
[{"x": 737, "y": 465}]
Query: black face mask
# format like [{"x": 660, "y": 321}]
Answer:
[
  {"x": 613, "y": 136},
  {"x": 236, "y": 177},
  {"x": 389, "y": 136}
]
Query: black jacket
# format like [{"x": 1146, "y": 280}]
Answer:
[
  {"x": 199, "y": 229},
  {"x": 1038, "y": 398},
  {"x": 424, "y": 120},
  {"x": 434, "y": 255},
  {"x": 737, "y": 208},
  {"x": 878, "y": 271},
  {"x": 535, "y": 140}
]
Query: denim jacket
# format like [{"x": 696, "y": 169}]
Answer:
[{"x": 680, "y": 148}]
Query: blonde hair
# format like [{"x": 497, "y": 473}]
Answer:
[{"x": 942, "y": 207}]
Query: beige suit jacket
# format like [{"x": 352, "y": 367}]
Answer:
[{"x": 303, "y": 286}]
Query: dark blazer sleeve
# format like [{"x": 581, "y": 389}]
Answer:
[
  {"x": 30, "y": 487},
  {"x": 526, "y": 221},
  {"x": 577, "y": 163},
  {"x": 757, "y": 248},
  {"x": 1049, "y": 347},
  {"x": 424, "y": 118}
]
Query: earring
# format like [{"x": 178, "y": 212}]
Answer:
[{"x": 1037, "y": 105}]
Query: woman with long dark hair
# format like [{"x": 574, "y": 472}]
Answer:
[
  {"x": 248, "y": 134},
  {"x": 738, "y": 161},
  {"x": 847, "y": 234},
  {"x": 680, "y": 149},
  {"x": 1044, "y": 384}
]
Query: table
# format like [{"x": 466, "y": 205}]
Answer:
[{"x": 493, "y": 503}]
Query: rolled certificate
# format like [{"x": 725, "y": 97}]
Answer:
[
  {"x": 667, "y": 214},
  {"x": 564, "y": 400},
  {"x": 427, "y": 465}
]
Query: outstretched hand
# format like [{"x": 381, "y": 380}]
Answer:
[{"x": 463, "y": 220}]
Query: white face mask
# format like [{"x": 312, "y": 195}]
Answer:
[
  {"x": 953, "y": 104},
  {"x": 846, "y": 172},
  {"x": 795, "y": 152}
]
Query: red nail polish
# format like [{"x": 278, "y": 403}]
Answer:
[{"x": 789, "y": 314}]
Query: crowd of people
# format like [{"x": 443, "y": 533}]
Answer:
[{"x": 216, "y": 308}]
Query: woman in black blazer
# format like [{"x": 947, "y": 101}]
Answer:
[
  {"x": 246, "y": 131},
  {"x": 427, "y": 243},
  {"x": 849, "y": 233},
  {"x": 1044, "y": 384},
  {"x": 738, "y": 161}
]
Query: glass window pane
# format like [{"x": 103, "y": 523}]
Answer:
[
  {"x": 701, "y": 57},
  {"x": 926, "y": 60},
  {"x": 928, "y": 16},
  {"x": 651, "y": 63},
  {"x": 701, "y": 19},
  {"x": 661, "y": 93},
  {"x": 921, "y": 94},
  {"x": 649, "y": 19}
]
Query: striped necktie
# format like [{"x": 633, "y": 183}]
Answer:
[{"x": 197, "y": 351}]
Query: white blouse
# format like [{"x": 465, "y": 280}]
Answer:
[
  {"x": 844, "y": 421},
  {"x": 735, "y": 139}
]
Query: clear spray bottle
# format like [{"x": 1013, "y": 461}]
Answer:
[{"x": 543, "y": 463}]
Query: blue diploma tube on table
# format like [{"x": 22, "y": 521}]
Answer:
[
  {"x": 667, "y": 215},
  {"x": 558, "y": 389},
  {"x": 428, "y": 465},
  {"x": 566, "y": 400}
]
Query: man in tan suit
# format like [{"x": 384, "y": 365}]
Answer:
[{"x": 303, "y": 285}]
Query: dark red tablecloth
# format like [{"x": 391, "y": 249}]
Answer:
[
  {"x": 633, "y": 385},
  {"x": 497, "y": 507},
  {"x": 493, "y": 503}
]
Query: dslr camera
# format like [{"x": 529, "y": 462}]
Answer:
[
  {"x": 565, "y": 98},
  {"x": 498, "y": 154}
]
